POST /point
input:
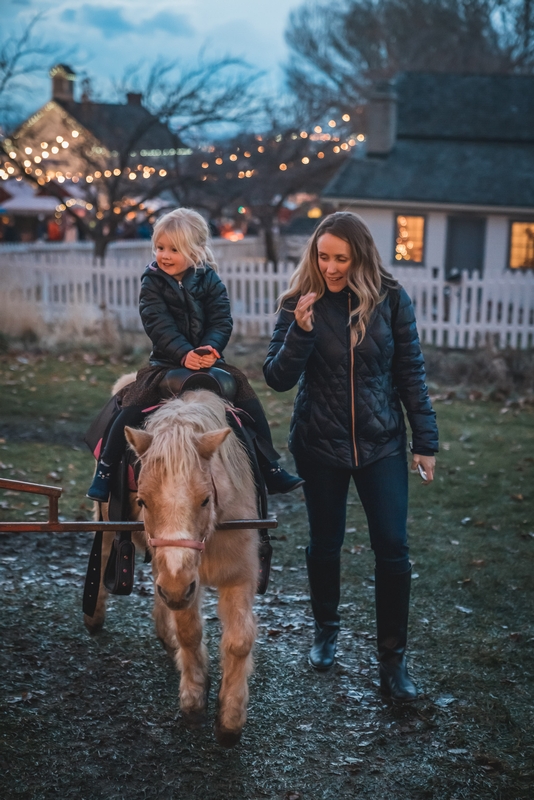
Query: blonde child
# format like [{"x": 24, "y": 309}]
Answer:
[{"x": 184, "y": 307}]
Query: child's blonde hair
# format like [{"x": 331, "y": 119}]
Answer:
[{"x": 189, "y": 234}]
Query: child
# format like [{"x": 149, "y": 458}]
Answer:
[{"x": 184, "y": 306}]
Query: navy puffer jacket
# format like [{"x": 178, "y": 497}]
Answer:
[
  {"x": 348, "y": 407},
  {"x": 179, "y": 316}
]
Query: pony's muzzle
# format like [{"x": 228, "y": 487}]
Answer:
[{"x": 174, "y": 603}]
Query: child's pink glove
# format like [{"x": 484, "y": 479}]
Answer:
[
  {"x": 194, "y": 360},
  {"x": 210, "y": 359}
]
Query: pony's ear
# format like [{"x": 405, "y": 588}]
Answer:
[
  {"x": 139, "y": 441},
  {"x": 210, "y": 441}
]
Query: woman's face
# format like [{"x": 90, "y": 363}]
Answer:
[
  {"x": 168, "y": 258},
  {"x": 334, "y": 258}
]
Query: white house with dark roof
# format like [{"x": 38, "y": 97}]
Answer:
[{"x": 446, "y": 179}]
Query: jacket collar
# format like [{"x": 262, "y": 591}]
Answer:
[{"x": 188, "y": 280}]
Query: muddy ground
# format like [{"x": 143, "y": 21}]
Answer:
[{"x": 96, "y": 718}]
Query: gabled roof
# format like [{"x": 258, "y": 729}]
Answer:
[
  {"x": 120, "y": 126},
  {"x": 462, "y": 173},
  {"x": 470, "y": 107},
  {"x": 461, "y": 139}
]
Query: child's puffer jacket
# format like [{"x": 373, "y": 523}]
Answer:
[{"x": 181, "y": 316}]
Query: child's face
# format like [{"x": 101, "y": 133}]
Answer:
[{"x": 168, "y": 258}]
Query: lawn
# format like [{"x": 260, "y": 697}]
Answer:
[{"x": 96, "y": 718}]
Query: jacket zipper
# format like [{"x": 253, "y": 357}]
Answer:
[{"x": 352, "y": 398}]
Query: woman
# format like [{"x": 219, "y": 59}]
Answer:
[{"x": 346, "y": 333}]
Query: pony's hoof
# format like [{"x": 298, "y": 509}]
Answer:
[
  {"x": 195, "y": 718},
  {"x": 93, "y": 625},
  {"x": 225, "y": 737}
]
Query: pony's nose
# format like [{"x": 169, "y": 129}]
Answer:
[{"x": 177, "y": 604}]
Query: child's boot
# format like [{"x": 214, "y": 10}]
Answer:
[
  {"x": 278, "y": 480},
  {"x": 99, "y": 489}
]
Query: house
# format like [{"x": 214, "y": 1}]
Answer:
[
  {"x": 446, "y": 178},
  {"x": 68, "y": 139},
  {"x": 26, "y": 212}
]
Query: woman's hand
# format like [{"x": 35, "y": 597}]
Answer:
[
  {"x": 304, "y": 311},
  {"x": 428, "y": 464}
]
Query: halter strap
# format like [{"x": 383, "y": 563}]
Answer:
[{"x": 192, "y": 543}]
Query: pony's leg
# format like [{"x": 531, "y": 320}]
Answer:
[
  {"x": 192, "y": 661},
  {"x": 165, "y": 626},
  {"x": 95, "y": 623},
  {"x": 239, "y": 635}
]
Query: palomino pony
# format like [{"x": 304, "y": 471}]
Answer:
[{"x": 195, "y": 474}]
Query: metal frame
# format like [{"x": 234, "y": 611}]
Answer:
[{"x": 53, "y": 525}]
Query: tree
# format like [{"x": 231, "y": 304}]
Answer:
[
  {"x": 257, "y": 172},
  {"x": 337, "y": 57},
  {"x": 145, "y": 150},
  {"x": 21, "y": 57}
]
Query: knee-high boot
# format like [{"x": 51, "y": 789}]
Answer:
[
  {"x": 392, "y": 593},
  {"x": 324, "y": 594}
]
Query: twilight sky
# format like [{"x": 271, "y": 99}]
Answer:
[{"x": 102, "y": 38}]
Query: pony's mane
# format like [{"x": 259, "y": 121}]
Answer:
[{"x": 175, "y": 427}]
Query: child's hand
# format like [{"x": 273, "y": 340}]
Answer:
[
  {"x": 209, "y": 359},
  {"x": 193, "y": 360}
]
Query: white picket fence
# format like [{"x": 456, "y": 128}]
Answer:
[{"x": 65, "y": 282}]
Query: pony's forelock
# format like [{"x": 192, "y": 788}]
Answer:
[{"x": 175, "y": 428}]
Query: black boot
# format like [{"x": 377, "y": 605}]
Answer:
[
  {"x": 324, "y": 594},
  {"x": 392, "y": 593},
  {"x": 99, "y": 489},
  {"x": 277, "y": 480}
]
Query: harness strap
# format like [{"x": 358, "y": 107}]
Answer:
[{"x": 177, "y": 543}]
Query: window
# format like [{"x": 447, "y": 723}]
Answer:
[
  {"x": 521, "y": 245},
  {"x": 466, "y": 238},
  {"x": 409, "y": 239}
]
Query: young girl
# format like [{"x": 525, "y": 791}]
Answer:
[{"x": 184, "y": 307}]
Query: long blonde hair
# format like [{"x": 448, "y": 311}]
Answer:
[
  {"x": 366, "y": 277},
  {"x": 189, "y": 234}
]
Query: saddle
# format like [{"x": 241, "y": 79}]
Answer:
[{"x": 120, "y": 569}]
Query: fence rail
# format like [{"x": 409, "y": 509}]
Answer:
[{"x": 465, "y": 314}]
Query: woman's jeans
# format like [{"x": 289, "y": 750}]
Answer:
[{"x": 383, "y": 490}]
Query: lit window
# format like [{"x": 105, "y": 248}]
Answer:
[
  {"x": 409, "y": 239},
  {"x": 522, "y": 245}
]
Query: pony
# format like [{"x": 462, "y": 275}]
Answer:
[{"x": 194, "y": 474}]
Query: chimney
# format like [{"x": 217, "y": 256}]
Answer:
[
  {"x": 134, "y": 98},
  {"x": 381, "y": 120},
  {"x": 63, "y": 78}
]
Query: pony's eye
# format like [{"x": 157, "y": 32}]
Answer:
[
  {"x": 140, "y": 502},
  {"x": 205, "y": 502}
]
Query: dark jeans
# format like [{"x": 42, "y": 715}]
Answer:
[{"x": 383, "y": 490}]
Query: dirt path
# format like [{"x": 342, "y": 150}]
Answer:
[{"x": 97, "y": 718}]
